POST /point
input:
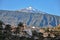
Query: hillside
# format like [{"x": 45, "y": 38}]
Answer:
[{"x": 34, "y": 18}]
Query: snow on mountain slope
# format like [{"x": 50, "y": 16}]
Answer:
[{"x": 30, "y": 16}]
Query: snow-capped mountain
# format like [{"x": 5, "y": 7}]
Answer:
[
  {"x": 29, "y": 10},
  {"x": 30, "y": 16}
]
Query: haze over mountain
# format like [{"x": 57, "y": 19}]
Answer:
[{"x": 30, "y": 16}]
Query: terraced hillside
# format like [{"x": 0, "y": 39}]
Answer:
[{"x": 30, "y": 18}]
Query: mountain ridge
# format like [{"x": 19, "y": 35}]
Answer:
[{"x": 30, "y": 18}]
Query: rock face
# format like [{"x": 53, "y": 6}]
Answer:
[{"x": 39, "y": 19}]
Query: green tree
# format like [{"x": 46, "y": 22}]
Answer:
[
  {"x": 1, "y": 28},
  {"x": 20, "y": 24}
]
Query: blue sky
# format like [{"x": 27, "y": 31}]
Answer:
[{"x": 49, "y": 6}]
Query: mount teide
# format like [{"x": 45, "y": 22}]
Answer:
[{"x": 30, "y": 16}]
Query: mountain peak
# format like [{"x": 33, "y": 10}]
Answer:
[{"x": 29, "y": 9}]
